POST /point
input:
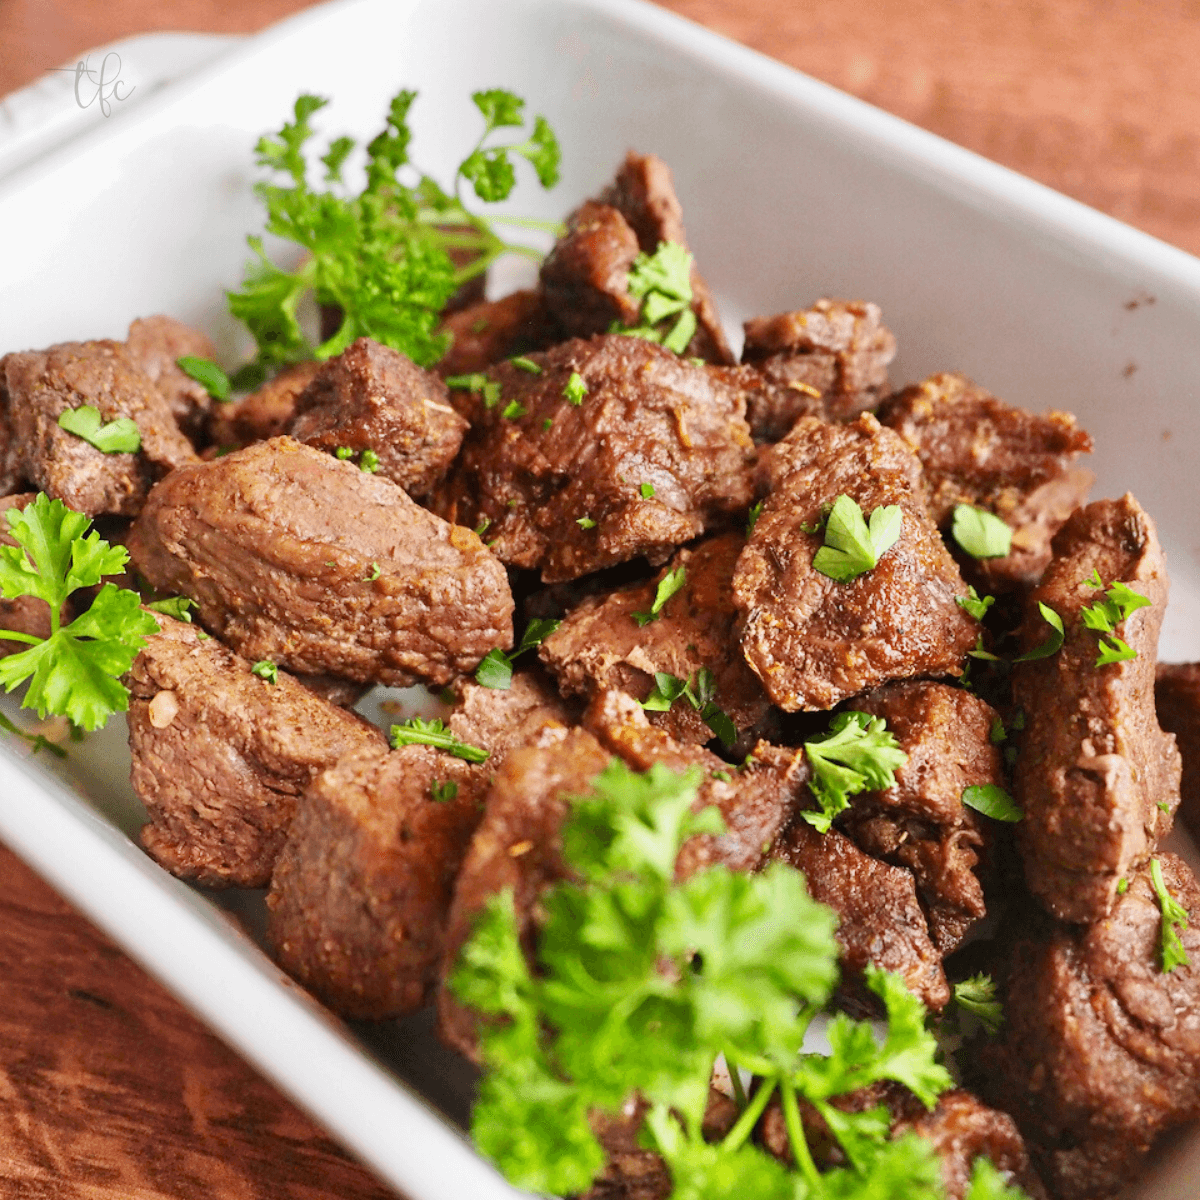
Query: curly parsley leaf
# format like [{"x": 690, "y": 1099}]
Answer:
[
  {"x": 988, "y": 1184},
  {"x": 207, "y": 374},
  {"x": 416, "y": 731},
  {"x": 76, "y": 671},
  {"x": 121, "y": 436},
  {"x": 1174, "y": 918},
  {"x": 662, "y": 281},
  {"x": 671, "y": 582},
  {"x": 857, "y": 754},
  {"x": 1053, "y": 643},
  {"x": 980, "y": 533},
  {"x": 495, "y": 670},
  {"x": 852, "y": 544},
  {"x": 992, "y": 801},
  {"x": 380, "y": 256},
  {"x": 977, "y": 995}
]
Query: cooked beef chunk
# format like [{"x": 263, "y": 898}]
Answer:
[
  {"x": 757, "y": 803},
  {"x": 265, "y": 413},
  {"x": 43, "y": 384},
  {"x": 298, "y": 558},
  {"x": 960, "y": 1127},
  {"x": 25, "y": 614},
  {"x": 880, "y": 919},
  {"x": 1094, "y": 765},
  {"x": 657, "y": 451},
  {"x": 344, "y": 692},
  {"x": 516, "y": 846},
  {"x": 361, "y": 889},
  {"x": 1100, "y": 1049},
  {"x": 371, "y": 397},
  {"x": 220, "y": 755},
  {"x": 978, "y": 450},
  {"x": 828, "y": 361},
  {"x": 155, "y": 344},
  {"x": 814, "y": 641},
  {"x": 486, "y": 332},
  {"x": 585, "y": 278},
  {"x": 600, "y": 645},
  {"x": 920, "y": 822},
  {"x": 1177, "y": 703},
  {"x": 10, "y": 478},
  {"x": 501, "y": 721}
]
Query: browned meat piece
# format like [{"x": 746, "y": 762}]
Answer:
[
  {"x": 920, "y": 822},
  {"x": 880, "y": 919},
  {"x": 155, "y": 344},
  {"x": 265, "y": 413},
  {"x": 1094, "y": 765},
  {"x": 978, "y": 450},
  {"x": 585, "y": 278},
  {"x": 371, "y": 397},
  {"x": 43, "y": 384},
  {"x": 10, "y": 478},
  {"x": 1100, "y": 1049},
  {"x": 1177, "y": 703},
  {"x": 361, "y": 890},
  {"x": 828, "y": 361},
  {"x": 490, "y": 330},
  {"x": 600, "y": 646},
  {"x": 25, "y": 614},
  {"x": 500, "y": 721},
  {"x": 344, "y": 692},
  {"x": 220, "y": 755},
  {"x": 814, "y": 641},
  {"x": 298, "y": 558},
  {"x": 516, "y": 846},
  {"x": 657, "y": 451},
  {"x": 757, "y": 803}
]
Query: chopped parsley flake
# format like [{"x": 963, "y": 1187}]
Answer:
[
  {"x": 671, "y": 583},
  {"x": 977, "y": 996},
  {"x": 585, "y": 522},
  {"x": 441, "y": 792},
  {"x": 974, "y": 604},
  {"x": 373, "y": 574},
  {"x": 1174, "y": 918},
  {"x": 1052, "y": 644},
  {"x": 495, "y": 670},
  {"x": 859, "y": 753},
  {"x": 415, "y": 731},
  {"x": 467, "y": 383},
  {"x": 343, "y": 453},
  {"x": 852, "y": 545},
  {"x": 265, "y": 669},
  {"x": 514, "y": 410},
  {"x": 575, "y": 389},
  {"x": 980, "y": 533},
  {"x": 647, "y": 490},
  {"x": 368, "y": 461},
  {"x": 700, "y": 692},
  {"x": 752, "y": 517},
  {"x": 992, "y": 801},
  {"x": 663, "y": 283},
  {"x": 179, "y": 607},
  {"x": 207, "y": 374},
  {"x": 121, "y": 436},
  {"x": 1104, "y": 615},
  {"x": 525, "y": 364}
]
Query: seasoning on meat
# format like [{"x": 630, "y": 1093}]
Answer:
[
  {"x": 814, "y": 641},
  {"x": 371, "y": 397},
  {"x": 275, "y": 544},
  {"x": 219, "y": 758},
  {"x": 1094, "y": 766},
  {"x": 647, "y": 417}
]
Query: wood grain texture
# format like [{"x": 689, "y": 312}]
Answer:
[{"x": 109, "y": 1090}]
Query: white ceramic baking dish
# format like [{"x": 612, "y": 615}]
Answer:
[{"x": 791, "y": 190}]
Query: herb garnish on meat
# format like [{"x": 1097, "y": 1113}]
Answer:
[
  {"x": 642, "y": 981},
  {"x": 980, "y": 533},
  {"x": 858, "y": 754},
  {"x": 671, "y": 582},
  {"x": 700, "y": 692},
  {"x": 852, "y": 544},
  {"x": 495, "y": 671},
  {"x": 121, "y": 436},
  {"x": 1104, "y": 615},
  {"x": 974, "y": 604},
  {"x": 207, "y": 374},
  {"x": 977, "y": 995},
  {"x": 1174, "y": 918},
  {"x": 993, "y": 801},
  {"x": 663, "y": 283},
  {"x": 575, "y": 389},
  {"x": 76, "y": 671},
  {"x": 416, "y": 732}
]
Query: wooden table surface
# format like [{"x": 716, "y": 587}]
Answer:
[{"x": 109, "y": 1090}]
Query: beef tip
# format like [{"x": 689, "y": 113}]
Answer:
[
  {"x": 1094, "y": 766},
  {"x": 920, "y": 822},
  {"x": 155, "y": 344},
  {"x": 880, "y": 919},
  {"x": 585, "y": 278},
  {"x": 1100, "y": 1049},
  {"x": 10, "y": 478},
  {"x": 265, "y": 413},
  {"x": 361, "y": 889},
  {"x": 656, "y": 453},
  {"x": 757, "y": 803},
  {"x": 499, "y": 721},
  {"x": 220, "y": 755},
  {"x": 814, "y": 641},
  {"x": 1177, "y": 703},
  {"x": 828, "y": 361},
  {"x": 371, "y": 397},
  {"x": 345, "y": 693},
  {"x": 293, "y": 556},
  {"x": 43, "y": 384},
  {"x": 517, "y": 846},
  {"x": 600, "y": 645},
  {"x": 978, "y": 450},
  {"x": 486, "y": 332},
  {"x": 25, "y": 614}
]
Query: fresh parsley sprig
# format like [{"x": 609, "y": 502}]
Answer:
[
  {"x": 668, "y": 585},
  {"x": 495, "y": 669},
  {"x": 662, "y": 281},
  {"x": 700, "y": 692},
  {"x": 76, "y": 671},
  {"x": 416, "y": 732},
  {"x": 1174, "y": 918},
  {"x": 858, "y": 754},
  {"x": 640, "y": 983},
  {"x": 381, "y": 256},
  {"x": 852, "y": 544}
]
